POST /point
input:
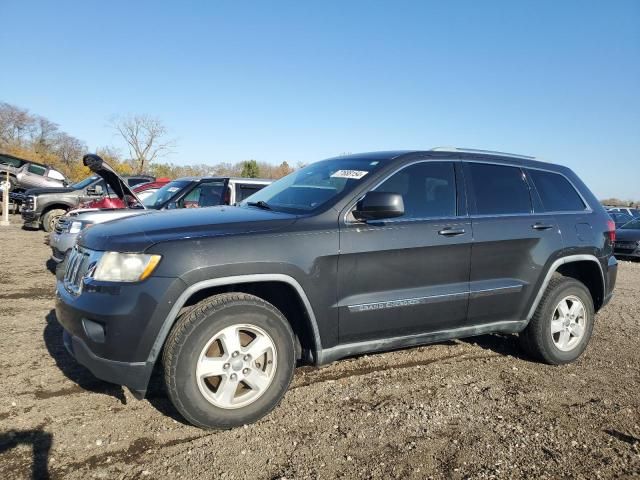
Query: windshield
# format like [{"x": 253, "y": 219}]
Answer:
[
  {"x": 83, "y": 183},
  {"x": 313, "y": 186},
  {"x": 633, "y": 225},
  {"x": 158, "y": 198}
]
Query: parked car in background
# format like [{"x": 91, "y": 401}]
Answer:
[
  {"x": 634, "y": 212},
  {"x": 628, "y": 240},
  {"x": 354, "y": 254},
  {"x": 192, "y": 192},
  {"x": 24, "y": 174},
  {"x": 620, "y": 218},
  {"x": 142, "y": 191},
  {"x": 42, "y": 207}
]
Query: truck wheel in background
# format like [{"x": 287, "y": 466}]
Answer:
[{"x": 50, "y": 219}]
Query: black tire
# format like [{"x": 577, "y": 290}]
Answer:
[
  {"x": 191, "y": 334},
  {"x": 50, "y": 218},
  {"x": 537, "y": 338}
]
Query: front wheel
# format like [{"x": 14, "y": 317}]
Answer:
[
  {"x": 50, "y": 219},
  {"x": 562, "y": 324},
  {"x": 229, "y": 361}
]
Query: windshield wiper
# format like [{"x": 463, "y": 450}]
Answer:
[{"x": 260, "y": 204}]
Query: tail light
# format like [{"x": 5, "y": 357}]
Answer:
[{"x": 611, "y": 230}]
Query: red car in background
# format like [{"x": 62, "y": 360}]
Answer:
[{"x": 142, "y": 191}]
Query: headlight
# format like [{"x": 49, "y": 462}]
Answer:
[
  {"x": 76, "y": 226},
  {"x": 125, "y": 267}
]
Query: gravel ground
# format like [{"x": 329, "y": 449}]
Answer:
[{"x": 465, "y": 409}]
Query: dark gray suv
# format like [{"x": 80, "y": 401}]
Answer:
[{"x": 355, "y": 254}]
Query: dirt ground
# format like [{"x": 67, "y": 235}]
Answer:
[{"x": 463, "y": 409}]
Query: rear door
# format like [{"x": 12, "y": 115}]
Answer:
[
  {"x": 409, "y": 274},
  {"x": 513, "y": 241}
]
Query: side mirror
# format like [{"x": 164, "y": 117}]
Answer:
[{"x": 379, "y": 205}]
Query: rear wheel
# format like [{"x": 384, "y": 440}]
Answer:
[
  {"x": 50, "y": 219},
  {"x": 562, "y": 324},
  {"x": 229, "y": 361}
]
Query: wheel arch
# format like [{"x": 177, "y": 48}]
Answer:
[
  {"x": 53, "y": 206},
  {"x": 584, "y": 268},
  {"x": 261, "y": 285}
]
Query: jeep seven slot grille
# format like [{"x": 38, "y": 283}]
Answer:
[{"x": 79, "y": 264}]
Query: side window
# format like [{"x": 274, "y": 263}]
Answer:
[
  {"x": 499, "y": 189},
  {"x": 556, "y": 193},
  {"x": 37, "y": 169},
  {"x": 244, "y": 190},
  {"x": 206, "y": 194},
  {"x": 428, "y": 189}
]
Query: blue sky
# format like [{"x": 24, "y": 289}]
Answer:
[{"x": 302, "y": 81}]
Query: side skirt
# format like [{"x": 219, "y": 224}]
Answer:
[{"x": 329, "y": 355}]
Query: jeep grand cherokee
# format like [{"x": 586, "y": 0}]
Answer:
[{"x": 355, "y": 254}]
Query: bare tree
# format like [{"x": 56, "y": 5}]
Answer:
[
  {"x": 69, "y": 149},
  {"x": 15, "y": 122},
  {"x": 146, "y": 138},
  {"x": 43, "y": 135}
]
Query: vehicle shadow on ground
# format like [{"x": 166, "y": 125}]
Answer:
[
  {"x": 70, "y": 368},
  {"x": 51, "y": 265},
  {"x": 41, "y": 445},
  {"x": 503, "y": 344}
]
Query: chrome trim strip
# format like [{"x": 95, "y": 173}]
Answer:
[
  {"x": 552, "y": 270},
  {"x": 406, "y": 302},
  {"x": 409, "y": 302},
  {"x": 234, "y": 280},
  {"x": 485, "y": 292}
]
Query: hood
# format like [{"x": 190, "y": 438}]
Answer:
[
  {"x": 116, "y": 183},
  {"x": 41, "y": 191},
  {"x": 627, "y": 235},
  {"x": 139, "y": 232}
]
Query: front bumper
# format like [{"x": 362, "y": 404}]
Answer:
[
  {"x": 30, "y": 218},
  {"x": 60, "y": 244},
  {"x": 134, "y": 375},
  {"x": 111, "y": 328}
]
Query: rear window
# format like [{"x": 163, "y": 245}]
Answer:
[
  {"x": 499, "y": 189},
  {"x": 556, "y": 193}
]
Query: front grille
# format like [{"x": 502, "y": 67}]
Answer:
[{"x": 80, "y": 265}]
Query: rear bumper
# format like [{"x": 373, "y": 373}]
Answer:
[{"x": 627, "y": 253}]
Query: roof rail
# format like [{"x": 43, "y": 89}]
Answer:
[{"x": 485, "y": 152}]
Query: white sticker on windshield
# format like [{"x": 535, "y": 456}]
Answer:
[
  {"x": 355, "y": 174},
  {"x": 173, "y": 189}
]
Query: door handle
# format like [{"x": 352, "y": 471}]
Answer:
[
  {"x": 541, "y": 226},
  {"x": 451, "y": 232}
]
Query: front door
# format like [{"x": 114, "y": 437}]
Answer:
[{"x": 409, "y": 274}]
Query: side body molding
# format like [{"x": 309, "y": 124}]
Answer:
[
  {"x": 234, "y": 280},
  {"x": 554, "y": 267}
]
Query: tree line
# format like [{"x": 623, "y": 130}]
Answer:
[{"x": 34, "y": 137}]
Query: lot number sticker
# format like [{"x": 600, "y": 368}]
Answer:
[{"x": 355, "y": 174}]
